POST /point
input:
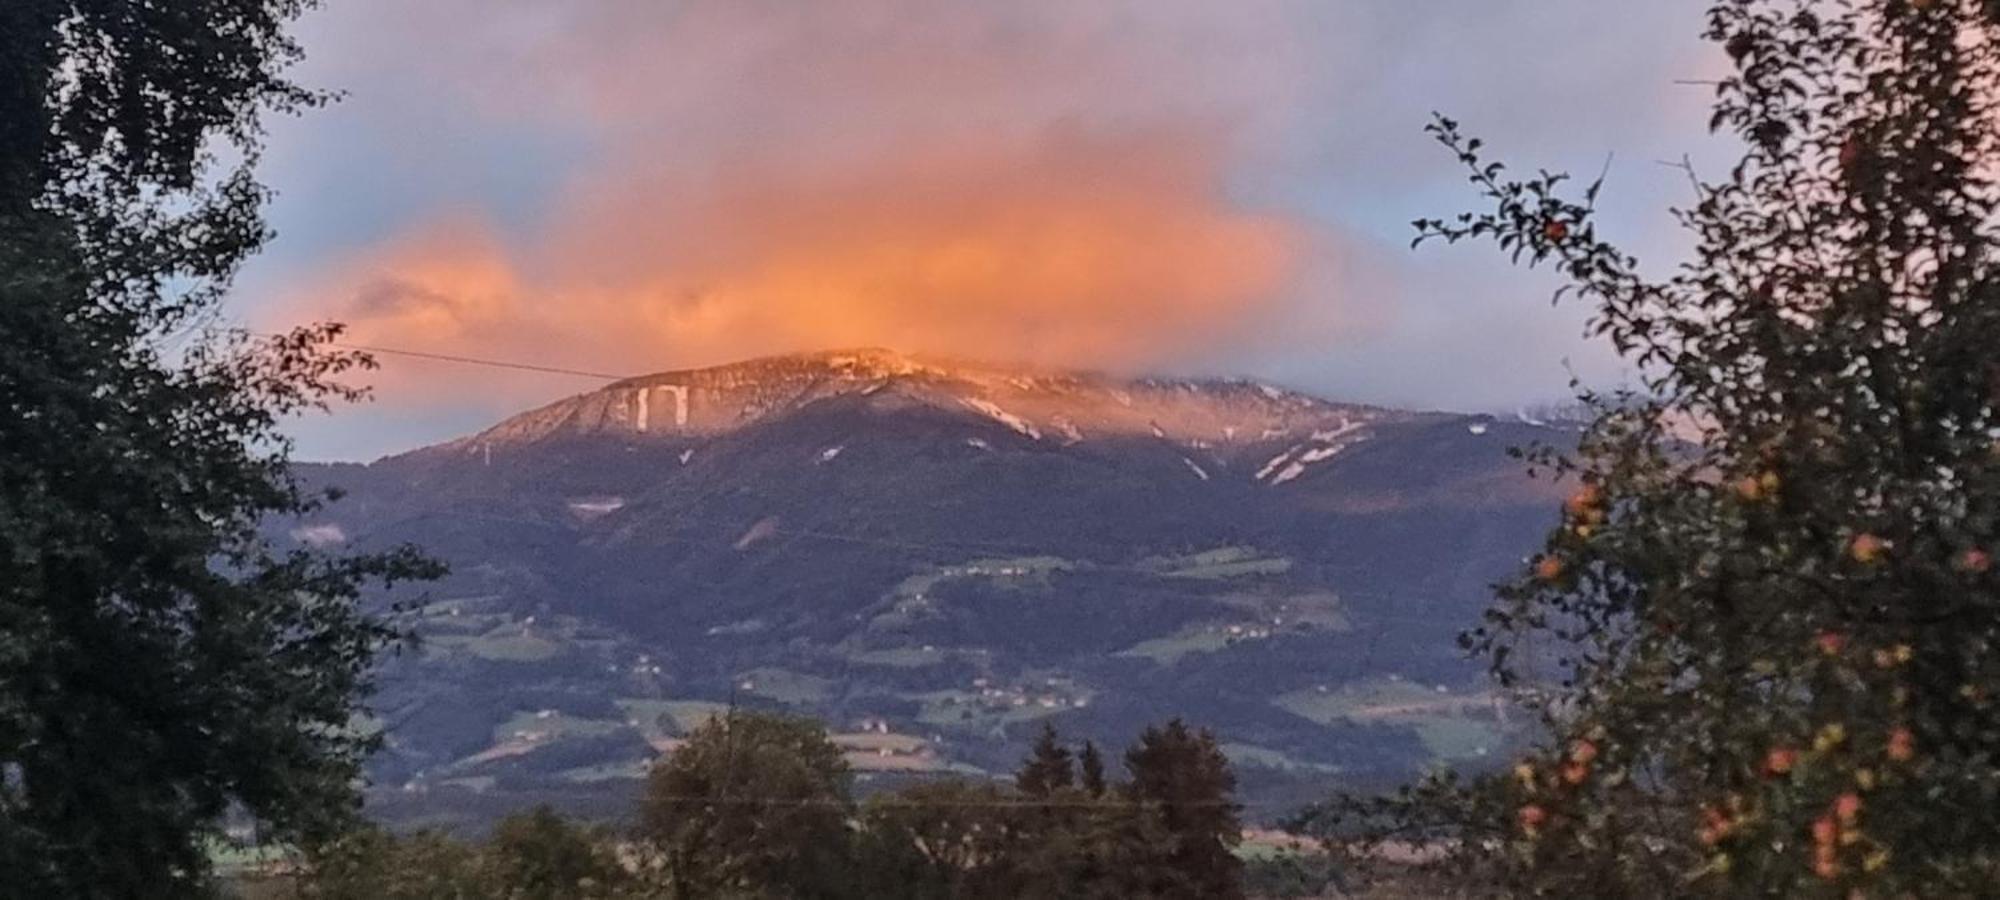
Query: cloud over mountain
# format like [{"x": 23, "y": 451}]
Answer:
[
  {"x": 1167, "y": 186},
  {"x": 764, "y": 178}
]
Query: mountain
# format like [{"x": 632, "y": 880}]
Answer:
[{"x": 934, "y": 556}]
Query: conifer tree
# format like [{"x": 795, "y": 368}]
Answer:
[
  {"x": 1091, "y": 765},
  {"x": 1049, "y": 767},
  {"x": 1182, "y": 782}
]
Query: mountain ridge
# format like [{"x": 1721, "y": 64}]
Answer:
[
  {"x": 950, "y": 553},
  {"x": 1067, "y": 406}
]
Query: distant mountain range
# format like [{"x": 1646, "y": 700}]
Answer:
[{"x": 934, "y": 557}]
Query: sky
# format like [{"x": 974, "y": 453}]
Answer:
[{"x": 1159, "y": 186}]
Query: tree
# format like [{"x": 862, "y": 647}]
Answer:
[
  {"x": 1066, "y": 846},
  {"x": 161, "y": 660},
  {"x": 1169, "y": 833},
  {"x": 540, "y": 855},
  {"x": 949, "y": 838},
  {"x": 753, "y": 803},
  {"x": 1181, "y": 780},
  {"x": 369, "y": 863},
  {"x": 1772, "y": 597},
  {"x": 1091, "y": 764},
  {"x": 1048, "y": 768},
  {"x": 533, "y": 855}
]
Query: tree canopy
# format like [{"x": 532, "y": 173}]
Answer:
[
  {"x": 752, "y": 803},
  {"x": 162, "y": 659},
  {"x": 1049, "y": 767},
  {"x": 1763, "y": 635}
]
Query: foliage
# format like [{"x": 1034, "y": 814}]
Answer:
[
  {"x": 1090, "y": 770},
  {"x": 1169, "y": 832},
  {"x": 534, "y": 855},
  {"x": 947, "y": 838},
  {"x": 161, "y": 662},
  {"x": 372, "y": 864},
  {"x": 539, "y": 855},
  {"x": 1181, "y": 778},
  {"x": 1049, "y": 768},
  {"x": 1772, "y": 599},
  {"x": 754, "y": 804},
  {"x": 758, "y": 805},
  {"x": 1293, "y": 875}
]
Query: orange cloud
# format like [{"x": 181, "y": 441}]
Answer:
[
  {"x": 1047, "y": 185},
  {"x": 632, "y": 185},
  {"x": 1107, "y": 252}
]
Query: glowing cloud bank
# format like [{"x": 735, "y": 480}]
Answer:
[{"x": 970, "y": 180}]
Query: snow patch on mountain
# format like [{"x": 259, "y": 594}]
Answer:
[
  {"x": 1346, "y": 428},
  {"x": 1320, "y": 447},
  {"x": 680, "y": 393},
  {"x": 1290, "y": 472},
  {"x": 868, "y": 364},
  {"x": 588, "y": 508},
  {"x": 323, "y": 535},
  {"x": 1275, "y": 462},
  {"x": 1319, "y": 454},
  {"x": 993, "y": 411},
  {"x": 642, "y": 403}
]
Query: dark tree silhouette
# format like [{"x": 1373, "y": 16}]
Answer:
[
  {"x": 1091, "y": 765},
  {"x": 1182, "y": 781},
  {"x": 161, "y": 660},
  {"x": 753, "y": 803},
  {"x": 1049, "y": 767}
]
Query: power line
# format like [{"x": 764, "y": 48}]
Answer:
[
  {"x": 463, "y": 360},
  {"x": 475, "y": 361},
  {"x": 901, "y": 803}
]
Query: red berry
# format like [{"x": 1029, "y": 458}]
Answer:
[{"x": 1902, "y": 745}]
